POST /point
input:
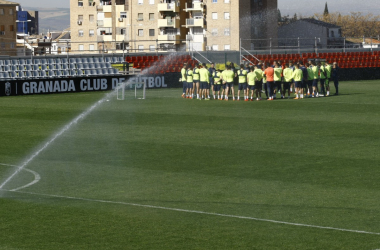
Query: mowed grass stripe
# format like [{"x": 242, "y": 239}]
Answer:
[{"x": 283, "y": 160}]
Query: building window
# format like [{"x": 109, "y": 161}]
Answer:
[
  {"x": 227, "y": 47},
  {"x": 80, "y": 17},
  {"x": 81, "y": 47},
  {"x": 91, "y": 33},
  {"x": 227, "y": 31},
  {"x": 151, "y": 32},
  {"x": 151, "y": 1},
  {"x": 151, "y": 16},
  {"x": 214, "y": 47},
  {"x": 2, "y": 45},
  {"x": 140, "y": 32},
  {"x": 2, "y": 28},
  {"x": 123, "y": 14},
  {"x": 123, "y": 31},
  {"x": 91, "y": 47},
  {"x": 80, "y": 3},
  {"x": 10, "y": 11},
  {"x": 11, "y": 28},
  {"x": 91, "y": 18},
  {"x": 141, "y": 48},
  {"x": 1, "y": 11},
  {"x": 13, "y": 45},
  {"x": 214, "y": 15},
  {"x": 214, "y": 32},
  {"x": 226, "y": 15},
  {"x": 140, "y": 17},
  {"x": 214, "y": 1},
  {"x": 226, "y": 1},
  {"x": 332, "y": 34},
  {"x": 91, "y": 3},
  {"x": 152, "y": 48},
  {"x": 80, "y": 32},
  {"x": 140, "y": 2}
]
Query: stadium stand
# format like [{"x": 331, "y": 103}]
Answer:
[{"x": 12, "y": 69}]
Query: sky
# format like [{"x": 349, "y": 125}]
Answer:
[
  {"x": 44, "y": 3},
  {"x": 287, "y": 7}
]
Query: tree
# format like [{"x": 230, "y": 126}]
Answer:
[
  {"x": 295, "y": 18},
  {"x": 326, "y": 12},
  {"x": 279, "y": 17},
  {"x": 353, "y": 25}
]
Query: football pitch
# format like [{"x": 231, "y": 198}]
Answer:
[{"x": 174, "y": 173}]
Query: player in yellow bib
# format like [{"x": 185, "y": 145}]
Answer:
[
  {"x": 251, "y": 82},
  {"x": 189, "y": 80},
  {"x": 328, "y": 77},
  {"x": 288, "y": 79},
  {"x": 196, "y": 86},
  {"x": 228, "y": 79},
  {"x": 242, "y": 74},
  {"x": 259, "y": 78},
  {"x": 217, "y": 75},
  {"x": 298, "y": 76},
  {"x": 277, "y": 79},
  {"x": 184, "y": 82},
  {"x": 204, "y": 81}
]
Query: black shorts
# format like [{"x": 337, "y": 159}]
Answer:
[
  {"x": 242, "y": 86},
  {"x": 204, "y": 85},
  {"x": 277, "y": 84},
  {"x": 315, "y": 83},
  {"x": 310, "y": 83},
  {"x": 287, "y": 85},
  {"x": 230, "y": 84},
  {"x": 196, "y": 81},
  {"x": 258, "y": 84},
  {"x": 190, "y": 85},
  {"x": 327, "y": 82},
  {"x": 185, "y": 84},
  {"x": 298, "y": 84},
  {"x": 303, "y": 84},
  {"x": 217, "y": 87},
  {"x": 251, "y": 87}
]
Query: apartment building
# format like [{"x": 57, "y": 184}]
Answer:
[
  {"x": 164, "y": 25},
  {"x": 8, "y": 29},
  {"x": 28, "y": 22}
]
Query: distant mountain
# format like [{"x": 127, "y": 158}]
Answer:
[
  {"x": 289, "y": 7},
  {"x": 52, "y": 19}
]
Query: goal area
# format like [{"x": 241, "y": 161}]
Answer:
[{"x": 130, "y": 90}]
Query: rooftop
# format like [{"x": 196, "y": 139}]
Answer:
[
  {"x": 320, "y": 23},
  {"x": 8, "y": 2}
]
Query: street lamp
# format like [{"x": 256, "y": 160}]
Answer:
[{"x": 23, "y": 29}]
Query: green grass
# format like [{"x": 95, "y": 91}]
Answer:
[{"x": 312, "y": 161}]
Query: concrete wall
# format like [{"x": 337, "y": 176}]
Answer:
[
  {"x": 303, "y": 30},
  {"x": 8, "y": 29}
]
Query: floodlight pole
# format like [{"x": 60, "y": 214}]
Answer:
[
  {"x": 240, "y": 51},
  {"x": 344, "y": 44}
]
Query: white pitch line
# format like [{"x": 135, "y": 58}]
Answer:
[
  {"x": 37, "y": 177},
  {"x": 199, "y": 212}
]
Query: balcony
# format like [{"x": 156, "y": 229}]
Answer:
[
  {"x": 172, "y": 23},
  {"x": 196, "y": 38},
  {"x": 168, "y": 7},
  {"x": 195, "y": 6},
  {"x": 100, "y": 23},
  {"x": 195, "y": 22},
  {"x": 174, "y": 39}
]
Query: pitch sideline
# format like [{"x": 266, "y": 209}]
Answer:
[{"x": 196, "y": 212}]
